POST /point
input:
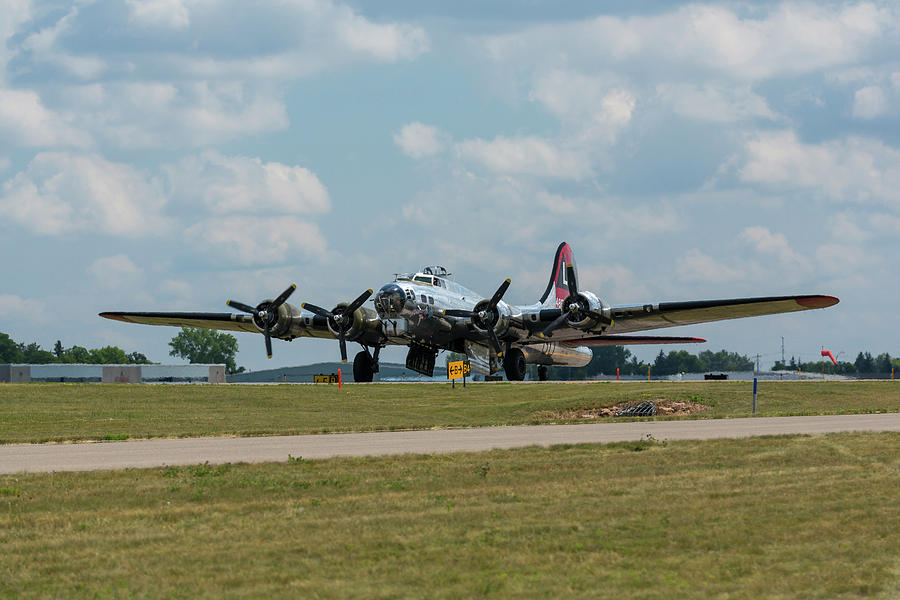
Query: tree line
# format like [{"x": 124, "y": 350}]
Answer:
[
  {"x": 203, "y": 346},
  {"x": 20, "y": 352},
  {"x": 609, "y": 358},
  {"x": 864, "y": 363}
]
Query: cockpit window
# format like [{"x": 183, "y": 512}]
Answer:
[{"x": 422, "y": 278}]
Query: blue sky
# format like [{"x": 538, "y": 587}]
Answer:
[{"x": 172, "y": 154}]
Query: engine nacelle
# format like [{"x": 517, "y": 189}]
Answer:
[
  {"x": 365, "y": 322},
  {"x": 590, "y": 314},
  {"x": 498, "y": 318},
  {"x": 288, "y": 320}
]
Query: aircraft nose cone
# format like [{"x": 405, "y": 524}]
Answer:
[{"x": 390, "y": 299}]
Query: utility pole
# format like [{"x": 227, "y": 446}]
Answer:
[{"x": 782, "y": 349}]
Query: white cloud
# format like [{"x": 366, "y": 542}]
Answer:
[
  {"x": 43, "y": 47},
  {"x": 841, "y": 259},
  {"x": 198, "y": 73},
  {"x": 13, "y": 13},
  {"x": 23, "y": 309},
  {"x": 790, "y": 38},
  {"x": 844, "y": 228},
  {"x": 25, "y": 121},
  {"x": 556, "y": 203},
  {"x": 14, "y": 305},
  {"x": 774, "y": 245},
  {"x": 593, "y": 109},
  {"x": 153, "y": 114},
  {"x": 66, "y": 193},
  {"x": 696, "y": 266},
  {"x": 116, "y": 272},
  {"x": 613, "y": 283},
  {"x": 869, "y": 102},
  {"x": 251, "y": 241},
  {"x": 886, "y": 224},
  {"x": 592, "y": 112},
  {"x": 525, "y": 155},
  {"x": 229, "y": 184},
  {"x": 604, "y": 75},
  {"x": 855, "y": 169},
  {"x": 279, "y": 41},
  {"x": 165, "y": 13},
  {"x": 179, "y": 290},
  {"x": 715, "y": 102},
  {"x": 388, "y": 42},
  {"x": 582, "y": 100},
  {"x": 418, "y": 140}
]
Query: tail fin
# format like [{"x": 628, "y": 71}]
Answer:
[{"x": 558, "y": 286}]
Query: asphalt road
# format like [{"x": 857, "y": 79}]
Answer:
[{"x": 17, "y": 458}]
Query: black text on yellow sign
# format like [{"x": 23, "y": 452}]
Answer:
[
  {"x": 325, "y": 378},
  {"x": 458, "y": 369}
]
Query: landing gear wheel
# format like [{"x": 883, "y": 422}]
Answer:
[
  {"x": 514, "y": 365},
  {"x": 542, "y": 373},
  {"x": 363, "y": 368}
]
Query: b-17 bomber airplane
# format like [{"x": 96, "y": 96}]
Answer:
[{"x": 429, "y": 312}]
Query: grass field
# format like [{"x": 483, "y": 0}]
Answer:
[
  {"x": 37, "y": 412},
  {"x": 786, "y": 517}
]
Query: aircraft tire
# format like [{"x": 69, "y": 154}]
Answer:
[
  {"x": 514, "y": 365},
  {"x": 542, "y": 373},
  {"x": 362, "y": 367}
]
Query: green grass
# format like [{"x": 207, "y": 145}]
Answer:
[
  {"x": 775, "y": 517},
  {"x": 38, "y": 412}
]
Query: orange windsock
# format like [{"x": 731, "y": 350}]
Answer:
[{"x": 829, "y": 355}]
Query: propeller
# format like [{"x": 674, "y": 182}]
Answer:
[
  {"x": 486, "y": 317},
  {"x": 265, "y": 314},
  {"x": 573, "y": 306},
  {"x": 341, "y": 319}
]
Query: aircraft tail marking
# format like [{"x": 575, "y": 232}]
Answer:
[{"x": 558, "y": 286}]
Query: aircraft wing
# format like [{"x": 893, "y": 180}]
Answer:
[
  {"x": 628, "y": 319},
  {"x": 225, "y": 321},
  {"x": 631, "y": 340}
]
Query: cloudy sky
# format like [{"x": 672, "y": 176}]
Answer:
[{"x": 172, "y": 154}]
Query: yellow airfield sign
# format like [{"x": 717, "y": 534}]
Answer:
[{"x": 458, "y": 369}]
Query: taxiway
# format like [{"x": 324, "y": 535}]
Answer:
[{"x": 15, "y": 458}]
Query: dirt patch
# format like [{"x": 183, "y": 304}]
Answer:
[{"x": 664, "y": 408}]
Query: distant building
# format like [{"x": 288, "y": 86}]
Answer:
[
  {"x": 80, "y": 373},
  {"x": 305, "y": 373}
]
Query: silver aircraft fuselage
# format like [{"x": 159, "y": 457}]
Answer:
[{"x": 411, "y": 309}]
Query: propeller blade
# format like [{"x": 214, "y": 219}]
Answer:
[
  {"x": 548, "y": 331},
  {"x": 317, "y": 310},
  {"x": 268, "y": 343},
  {"x": 241, "y": 306},
  {"x": 453, "y": 312},
  {"x": 284, "y": 296},
  {"x": 495, "y": 342},
  {"x": 570, "y": 277},
  {"x": 499, "y": 293},
  {"x": 268, "y": 316},
  {"x": 351, "y": 308},
  {"x": 343, "y": 342}
]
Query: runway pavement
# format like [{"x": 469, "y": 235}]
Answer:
[{"x": 151, "y": 453}]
